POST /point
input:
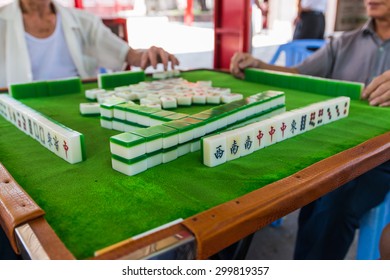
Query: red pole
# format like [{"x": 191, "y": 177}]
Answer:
[
  {"x": 232, "y": 21},
  {"x": 189, "y": 15},
  {"x": 78, "y": 4}
]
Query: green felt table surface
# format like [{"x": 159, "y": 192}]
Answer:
[{"x": 90, "y": 206}]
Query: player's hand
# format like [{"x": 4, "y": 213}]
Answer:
[
  {"x": 378, "y": 91},
  {"x": 240, "y": 61},
  {"x": 151, "y": 57}
]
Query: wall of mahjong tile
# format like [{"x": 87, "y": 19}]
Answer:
[{"x": 89, "y": 199}]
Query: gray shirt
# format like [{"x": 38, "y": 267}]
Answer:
[{"x": 357, "y": 56}]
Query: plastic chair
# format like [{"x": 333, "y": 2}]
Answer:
[
  {"x": 371, "y": 227},
  {"x": 296, "y": 51}
]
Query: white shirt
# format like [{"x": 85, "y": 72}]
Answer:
[
  {"x": 91, "y": 44},
  {"x": 50, "y": 57},
  {"x": 314, "y": 5}
]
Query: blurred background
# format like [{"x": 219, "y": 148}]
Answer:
[{"x": 189, "y": 27}]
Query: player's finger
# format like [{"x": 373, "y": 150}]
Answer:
[
  {"x": 153, "y": 54},
  {"x": 375, "y": 83},
  {"x": 174, "y": 61},
  {"x": 163, "y": 57},
  {"x": 381, "y": 99},
  {"x": 381, "y": 90},
  {"x": 385, "y": 104},
  {"x": 144, "y": 62},
  {"x": 236, "y": 58},
  {"x": 245, "y": 63},
  {"x": 234, "y": 65}
]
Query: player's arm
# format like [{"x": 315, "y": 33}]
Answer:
[
  {"x": 378, "y": 91},
  {"x": 151, "y": 57},
  {"x": 241, "y": 60}
]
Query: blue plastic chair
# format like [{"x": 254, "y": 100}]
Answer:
[
  {"x": 371, "y": 227},
  {"x": 296, "y": 51}
]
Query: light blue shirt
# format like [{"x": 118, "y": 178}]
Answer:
[{"x": 50, "y": 57}]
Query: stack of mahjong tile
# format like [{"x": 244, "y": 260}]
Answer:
[
  {"x": 128, "y": 116},
  {"x": 62, "y": 141},
  {"x": 143, "y": 148},
  {"x": 229, "y": 145},
  {"x": 165, "y": 94}
]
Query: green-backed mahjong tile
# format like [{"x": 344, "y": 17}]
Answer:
[
  {"x": 125, "y": 106},
  {"x": 149, "y": 133},
  {"x": 120, "y": 79},
  {"x": 129, "y": 123},
  {"x": 286, "y": 80},
  {"x": 41, "y": 89},
  {"x": 106, "y": 118},
  {"x": 143, "y": 110},
  {"x": 162, "y": 115},
  {"x": 179, "y": 125},
  {"x": 195, "y": 122},
  {"x": 111, "y": 102},
  {"x": 129, "y": 161},
  {"x": 165, "y": 130},
  {"x": 261, "y": 96},
  {"x": 170, "y": 149},
  {"x": 229, "y": 108},
  {"x": 127, "y": 139},
  {"x": 248, "y": 102},
  {"x": 65, "y": 86},
  {"x": 273, "y": 94},
  {"x": 216, "y": 113},
  {"x": 154, "y": 153},
  {"x": 302, "y": 83},
  {"x": 176, "y": 116},
  {"x": 317, "y": 85},
  {"x": 202, "y": 116},
  {"x": 352, "y": 90},
  {"x": 21, "y": 91}
]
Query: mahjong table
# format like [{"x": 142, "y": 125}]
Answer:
[{"x": 181, "y": 209}]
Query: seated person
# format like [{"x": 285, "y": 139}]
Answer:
[
  {"x": 42, "y": 40},
  {"x": 327, "y": 225}
]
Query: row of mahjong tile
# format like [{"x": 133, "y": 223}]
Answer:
[
  {"x": 143, "y": 162},
  {"x": 166, "y": 102},
  {"x": 62, "y": 141},
  {"x": 167, "y": 94},
  {"x": 126, "y": 116},
  {"x": 143, "y": 149},
  {"x": 226, "y": 146},
  {"x": 310, "y": 84},
  {"x": 133, "y": 144}
]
